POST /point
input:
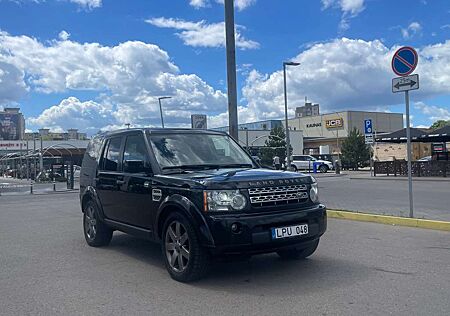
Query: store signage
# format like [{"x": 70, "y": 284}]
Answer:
[
  {"x": 12, "y": 145},
  {"x": 335, "y": 123},
  {"x": 313, "y": 125}
]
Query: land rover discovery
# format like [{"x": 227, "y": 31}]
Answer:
[{"x": 199, "y": 194}]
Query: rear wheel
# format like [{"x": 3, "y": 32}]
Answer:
[
  {"x": 96, "y": 233},
  {"x": 186, "y": 260},
  {"x": 295, "y": 254},
  {"x": 294, "y": 168}
]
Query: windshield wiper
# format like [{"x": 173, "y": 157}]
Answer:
[
  {"x": 192, "y": 167},
  {"x": 207, "y": 166},
  {"x": 237, "y": 165}
]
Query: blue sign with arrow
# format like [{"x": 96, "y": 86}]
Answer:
[{"x": 404, "y": 61}]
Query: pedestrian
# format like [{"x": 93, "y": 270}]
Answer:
[{"x": 276, "y": 162}]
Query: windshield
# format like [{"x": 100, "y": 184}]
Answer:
[{"x": 192, "y": 149}]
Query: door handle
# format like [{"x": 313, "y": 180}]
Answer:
[{"x": 120, "y": 182}]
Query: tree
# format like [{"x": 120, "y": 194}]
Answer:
[
  {"x": 354, "y": 150},
  {"x": 274, "y": 145},
  {"x": 439, "y": 124}
]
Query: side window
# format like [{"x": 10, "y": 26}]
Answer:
[
  {"x": 135, "y": 156},
  {"x": 111, "y": 154}
]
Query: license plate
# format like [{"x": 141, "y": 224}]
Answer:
[{"x": 290, "y": 231}]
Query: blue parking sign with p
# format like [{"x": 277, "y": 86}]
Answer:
[{"x": 368, "y": 126}]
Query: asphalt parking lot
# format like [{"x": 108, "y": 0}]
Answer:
[
  {"x": 387, "y": 197},
  {"x": 359, "y": 269}
]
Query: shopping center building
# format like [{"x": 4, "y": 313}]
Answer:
[{"x": 326, "y": 132}]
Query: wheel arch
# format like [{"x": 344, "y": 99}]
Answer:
[{"x": 181, "y": 204}]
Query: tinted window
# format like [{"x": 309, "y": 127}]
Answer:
[
  {"x": 111, "y": 155},
  {"x": 135, "y": 158},
  {"x": 297, "y": 158},
  {"x": 197, "y": 149}
]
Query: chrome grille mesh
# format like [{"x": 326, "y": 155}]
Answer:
[{"x": 278, "y": 195}]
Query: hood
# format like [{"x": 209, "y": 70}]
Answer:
[{"x": 237, "y": 178}]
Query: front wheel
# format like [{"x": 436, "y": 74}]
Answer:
[
  {"x": 186, "y": 260},
  {"x": 296, "y": 254}
]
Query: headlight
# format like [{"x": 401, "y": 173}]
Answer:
[
  {"x": 224, "y": 200},
  {"x": 314, "y": 192}
]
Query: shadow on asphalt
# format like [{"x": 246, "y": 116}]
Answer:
[{"x": 283, "y": 277}]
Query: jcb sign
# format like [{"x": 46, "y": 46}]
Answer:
[{"x": 335, "y": 123}]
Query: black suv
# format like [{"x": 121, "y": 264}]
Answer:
[{"x": 199, "y": 194}]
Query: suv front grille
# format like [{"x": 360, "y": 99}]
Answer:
[{"x": 278, "y": 195}]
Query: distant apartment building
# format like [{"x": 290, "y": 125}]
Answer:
[
  {"x": 308, "y": 109},
  {"x": 12, "y": 124},
  {"x": 46, "y": 134}
]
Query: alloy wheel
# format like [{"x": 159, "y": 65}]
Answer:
[
  {"x": 90, "y": 223},
  {"x": 177, "y": 246}
]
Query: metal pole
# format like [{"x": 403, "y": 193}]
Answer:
[
  {"x": 408, "y": 148},
  {"x": 231, "y": 69},
  {"x": 41, "y": 158},
  {"x": 288, "y": 142},
  {"x": 160, "y": 110},
  {"x": 246, "y": 138},
  {"x": 34, "y": 157}
]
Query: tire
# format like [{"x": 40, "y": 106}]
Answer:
[
  {"x": 323, "y": 168},
  {"x": 185, "y": 258},
  {"x": 294, "y": 168},
  {"x": 296, "y": 254},
  {"x": 96, "y": 233}
]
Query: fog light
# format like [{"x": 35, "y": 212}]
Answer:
[{"x": 235, "y": 228}]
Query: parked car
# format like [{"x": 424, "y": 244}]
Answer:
[
  {"x": 425, "y": 159},
  {"x": 199, "y": 194},
  {"x": 306, "y": 162},
  {"x": 48, "y": 175}
]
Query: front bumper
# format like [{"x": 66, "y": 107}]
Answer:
[{"x": 254, "y": 235}]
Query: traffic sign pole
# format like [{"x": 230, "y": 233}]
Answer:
[
  {"x": 408, "y": 148},
  {"x": 403, "y": 64}
]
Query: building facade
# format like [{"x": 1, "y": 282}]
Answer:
[
  {"x": 46, "y": 134},
  {"x": 12, "y": 124},
  {"x": 332, "y": 128},
  {"x": 266, "y": 125},
  {"x": 308, "y": 109}
]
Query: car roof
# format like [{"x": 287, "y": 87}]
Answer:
[{"x": 160, "y": 131}]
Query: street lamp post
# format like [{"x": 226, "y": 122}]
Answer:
[
  {"x": 160, "y": 109},
  {"x": 288, "y": 142}
]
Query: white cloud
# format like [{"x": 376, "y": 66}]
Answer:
[
  {"x": 413, "y": 29},
  {"x": 349, "y": 8},
  {"x": 199, "y": 3},
  {"x": 63, "y": 35},
  {"x": 345, "y": 74},
  {"x": 88, "y": 4},
  {"x": 88, "y": 116},
  {"x": 128, "y": 79},
  {"x": 434, "y": 113},
  {"x": 12, "y": 86},
  {"x": 239, "y": 4},
  {"x": 202, "y": 34}
]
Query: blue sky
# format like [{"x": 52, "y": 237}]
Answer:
[{"x": 97, "y": 64}]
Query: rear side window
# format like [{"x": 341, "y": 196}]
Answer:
[{"x": 111, "y": 154}]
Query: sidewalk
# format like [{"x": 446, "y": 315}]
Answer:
[{"x": 363, "y": 175}]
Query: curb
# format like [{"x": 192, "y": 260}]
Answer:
[{"x": 390, "y": 220}]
